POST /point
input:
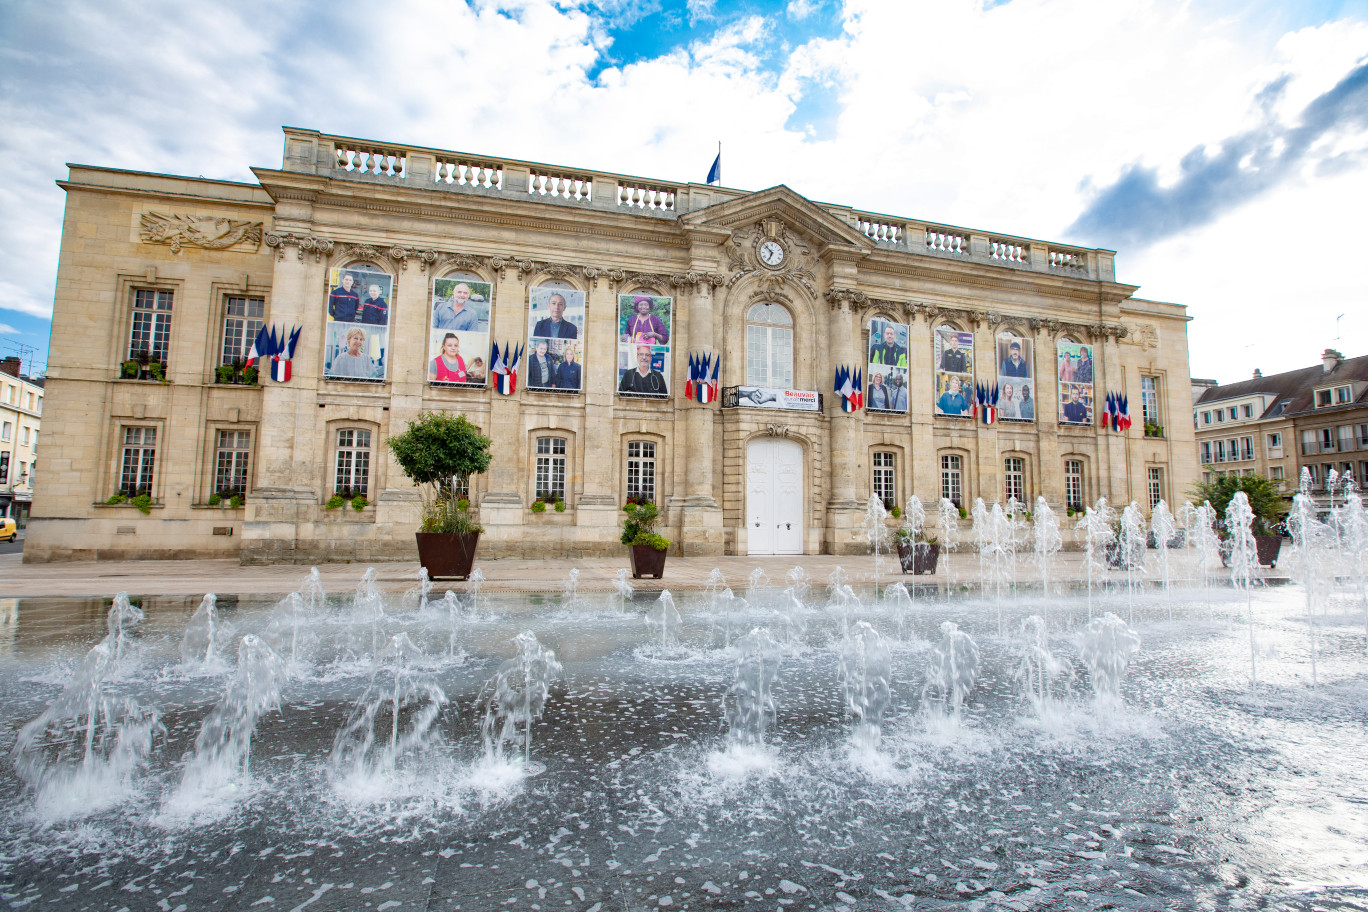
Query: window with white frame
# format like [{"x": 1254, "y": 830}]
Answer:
[
  {"x": 769, "y": 346},
  {"x": 1206, "y": 417},
  {"x": 1014, "y": 472},
  {"x": 1206, "y": 452},
  {"x": 230, "y": 462},
  {"x": 151, "y": 329},
  {"x": 1346, "y": 438},
  {"x": 1363, "y": 436},
  {"x": 353, "y": 462},
  {"x": 4, "y": 468},
  {"x": 1343, "y": 395},
  {"x": 139, "y": 460},
  {"x": 1275, "y": 441},
  {"x": 1308, "y": 444},
  {"x": 1246, "y": 447},
  {"x": 1234, "y": 449},
  {"x": 1220, "y": 415},
  {"x": 884, "y": 481},
  {"x": 1234, "y": 414},
  {"x": 641, "y": 471},
  {"x": 1276, "y": 473},
  {"x": 6, "y": 431},
  {"x": 1073, "y": 483},
  {"x": 1249, "y": 411},
  {"x": 1149, "y": 400},
  {"x": 242, "y": 320},
  {"x": 24, "y": 436},
  {"x": 1220, "y": 451},
  {"x": 952, "y": 479},
  {"x": 1327, "y": 439},
  {"x": 550, "y": 477},
  {"x": 1156, "y": 486}
]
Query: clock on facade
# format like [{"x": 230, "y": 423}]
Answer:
[{"x": 771, "y": 253}]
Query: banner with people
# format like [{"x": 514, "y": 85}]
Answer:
[
  {"x": 1015, "y": 378},
  {"x": 645, "y": 324},
  {"x": 1075, "y": 383},
  {"x": 555, "y": 340},
  {"x": 458, "y": 331},
  {"x": 356, "y": 338},
  {"x": 886, "y": 375},
  {"x": 954, "y": 359}
]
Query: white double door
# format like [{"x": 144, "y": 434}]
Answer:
[{"x": 774, "y": 496}]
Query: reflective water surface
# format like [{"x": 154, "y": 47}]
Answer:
[{"x": 889, "y": 752}]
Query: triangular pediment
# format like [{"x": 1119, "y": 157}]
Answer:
[{"x": 800, "y": 214}]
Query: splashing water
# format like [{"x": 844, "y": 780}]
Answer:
[
  {"x": 1095, "y": 528},
  {"x": 452, "y": 608},
  {"x": 664, "y": 620},
  {"x": 123, "y": 617},
  {"x": 400, "y": 706},
  {"x": 1047, "y": 543},
  {"x": 80, "y": 755},
  {"x": 948, "y": 524},
  {"x": 1354, "y": 526},
  {"x": 1313, "y": 540},
  {"x": 206, "y": 636},
  {"x": 312, "y": 593},
  {"x": 416, "y": 597},
  {"x": 1106, "y": 646},
  {"x": 845, "y": 604},
  {"x": 876, "y": 531},
  {"x": 623, "y": 590},
  {"x": 290, "y": 633},
  {"x": 570, "y": 599},
  {"x": 1165, "y": 532},
  {"x": 797, "y": 580},
  {"x": 754, "y": 584},
  {"x": 1038, "y": 666},
  {"x": 900, "y": 605},
  {"x": 1131, "y": 545},
  {"x": 368, "y": 615},
  {"x": 866, "y": 673},
  {"x": 726, "y": 610},
  {"x": 749, "y": 702},
  {"x": 474, "y": 582},
  {"x": 951, "y": 671},
  {"x": 516, "y": 697},
  {"x": 788, "y": 618},
  {"x": 1244, "y": 565}
]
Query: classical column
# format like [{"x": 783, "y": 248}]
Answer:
[
  {"x": 700, "y": 523},
  {"x": 1050, "y": 471},
  {"x": 501, "y": 507},
  {"x": 1114, "y": 472},
  {"x": 921, "y": 400},
  {"x": 600, "y": 500},
  {"x": 845, "y": 512},
  {"x": 988, "y": 468}
]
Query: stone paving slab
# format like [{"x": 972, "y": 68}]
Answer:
[{"x": 228, "y": 577}]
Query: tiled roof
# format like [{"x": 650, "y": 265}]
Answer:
[{"x": 1293, "y": 387}]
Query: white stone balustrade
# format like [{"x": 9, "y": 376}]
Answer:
[
  {"x": 645, "y": 196},
  {"x": 943, "y": 240},
  {"x": 1008, "y": 251},
  {"x": 463, "y": 172},
  {"x": 883, "y": 232},
  {"x": 578, "y": 188},
  {"x": 371, "y": 160},
  {"x": 1067, "y": 260}
]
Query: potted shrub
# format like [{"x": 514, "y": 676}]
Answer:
[
  {"x": 646, "y": 548},
  {"x": 1265, "y": 500},
  {"x": 439, "y": 453},
  {"x": 917, "y": 553},
  {"x": 128, "y": 370}
]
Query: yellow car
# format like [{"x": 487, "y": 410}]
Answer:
[{"x": 9, "y": 530}]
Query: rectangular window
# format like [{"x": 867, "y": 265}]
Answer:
[
  {"x": 641, "y": 470},
  {"x": 1308, "y": 444},
  {"x": 353, "y": 461},
  {"x": 1149, "y": 400},
  {"x": 6, "y": 431},
  {"x": 1234, "y": 413},
  {"x": 4, "y": 468},
  {"x": 1275, "y": 441},
  {"x": 151, "y": 331},
  {"x": 1342, "y": 395},
  {"x": 550, "y": 480},
  {"x": 1220, "y": 415},
  {"x": 1276, "y": 473},
  {"x": 1327, "y": 440},
  {"x": 883, "y": 482},
  {"x": 242, "y": 319},
  {"x": 1346, "y": 438},
  {"x": 139, "y": 459},
  {"x": 1246, "y": 447},
  {"x": 1014, "y": 471},
  {"x": 1073, "y": 483},
  {"x": 1220, "y": 451},
  {"x": 1234, "y": 449},
  {"x": 230, "y": 464},
  {"x": 25, "y": 436},
  {"x": 1156, "y": 486},
  {"x": 1206, "y": 417},
  {"x": 1313, "y": 474},
  {"x": 1206, "y": 453},
  {"x": 1249, "y": 411},
  {"x": 952, "y": 480},
  {"x": 1363, "y": 436}
]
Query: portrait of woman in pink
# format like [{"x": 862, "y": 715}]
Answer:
[{"x": 449, "y": 366}]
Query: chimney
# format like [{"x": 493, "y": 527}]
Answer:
[
  {"x": 10, "y": 366},
  {"x": 1330, "y": 360},
  {"x": 1258, "y": 374}
]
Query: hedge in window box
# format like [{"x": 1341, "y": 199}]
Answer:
[{"x": 439, "y": 453}]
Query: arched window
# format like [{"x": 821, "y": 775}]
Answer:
[{"x": 769, "y": 346}]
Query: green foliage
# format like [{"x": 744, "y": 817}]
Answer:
[
  {"x": 560, "y": 505},
  {"x": 359, "y": 502},
  {"x": 439, "y": 453},
  {"x": 1153, "y": 430},
  {"x": 639, "y": 526},
  {"x": 129, "y": 370},
  {"x": 117, "y": 497},
  {"x": 964, "y": 514},
  {"x": 224, "y": 373},
  {"x": 895, "y": 512},
  {"x": 538, "y": 506},
  {"x": 143, "y": 502},
  {"x": 236, "y": 501},
  {"x": 1070, "y": 511},
  {"x": 249, "y": 375},
  {"x": 905, "y": 535},
  {"x": 442, "y": 516},
  {"x": 158, "y": 371},
  {"x": 215, "y": 500},
  {"x": 1265, "y": 498},
  {"x": 334, "y": 502}
]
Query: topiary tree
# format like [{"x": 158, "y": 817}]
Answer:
[
  {"x": 439, "y": 453},
  {"x": 1266, "y": 499}
]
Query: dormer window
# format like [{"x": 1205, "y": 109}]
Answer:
[{"x": 1333, "y": 395}]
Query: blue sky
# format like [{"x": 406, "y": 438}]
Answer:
[{"x": 1218, "y": 147}]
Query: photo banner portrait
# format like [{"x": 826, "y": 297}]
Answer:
[
  {"x": 458, "y": 331},
  {"x": 1075, "y": 371},
  {"x": 954, "y": 360},
  {"x": 645, "y": 324},
  {"x": 356, "y": 336},
  {"x": 555, "y": 339},
  {"x": 886, "y": 375},
  {"x": 1015, "y": 378}
]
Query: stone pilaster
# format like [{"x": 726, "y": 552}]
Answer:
[
  {"x": 700, "y": 521},
  {"x": 921, "y": 402},
  {"x": 845, "y": 511},
  {"x": 502, "y": 505}
]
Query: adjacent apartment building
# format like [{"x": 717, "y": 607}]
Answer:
[
  {"x": 1314, "y": 418},
  {"x": 755, "y": 362},
  {"x": 21, "y": 412}
]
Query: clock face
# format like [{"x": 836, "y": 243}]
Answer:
[{"x": 771, "y": 253}]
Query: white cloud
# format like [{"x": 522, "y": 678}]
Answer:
[
  {"x": 1005, "y": 119},
  {"x": 6, "y": 329}
]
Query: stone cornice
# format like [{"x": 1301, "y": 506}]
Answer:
[{"x": 306, "y": 243}]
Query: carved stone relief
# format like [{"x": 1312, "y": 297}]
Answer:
[
  {"x": 305, "y": 243},
  {"x": 743, "y": 260},
  {"x": 204, "y": 231}
]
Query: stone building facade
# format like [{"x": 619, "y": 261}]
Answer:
[
  {"x": 163, "y": 279},
  {"x": 1313, "y": 418},
  {"x": 21, "y": 417}
]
